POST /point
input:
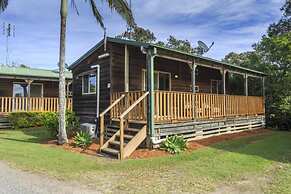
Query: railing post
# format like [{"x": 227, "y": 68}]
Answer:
[
  {"x": 121, "y": 152},
  {"x": 224, "y": 91},
  {"x": 101, "y": 138}
]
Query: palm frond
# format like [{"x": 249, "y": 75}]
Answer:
[
  {"x": 122, "y": 8},
  {"x": 96, "y": 13},
  {"x": 3, "y": 5},
  {"x": 75, "y": 7}
]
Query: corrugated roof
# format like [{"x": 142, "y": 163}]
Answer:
[
  {"x": 139, "y": 44},
  {"x": 31, "y": 72}
]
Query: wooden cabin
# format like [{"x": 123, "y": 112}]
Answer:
[
  {"x": 30, "y": 89},
  {"x": 138, "y": 94}
]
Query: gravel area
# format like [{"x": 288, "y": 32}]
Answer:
[{"x": 14, "y": 181}]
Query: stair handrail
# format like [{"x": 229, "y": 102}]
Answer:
[
  {"x": 130, "y": 108},
  {"x": 133, "y": 105},
  {"x": 101, "y": 117}
]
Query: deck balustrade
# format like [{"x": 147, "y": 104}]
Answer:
[
  {"x": 32, "y": 104},
  {"x": 173, "y": 106}
]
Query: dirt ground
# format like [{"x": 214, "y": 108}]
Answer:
[{"x": 147, "y": 153}]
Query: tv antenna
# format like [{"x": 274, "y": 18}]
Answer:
[
  {"x": 8, "y": 30},
  {"x": 203, "y": 48}
]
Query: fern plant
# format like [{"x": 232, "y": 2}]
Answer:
[
  {"x": 174, "y": 144},
  {"x": 83, "y": 139}
]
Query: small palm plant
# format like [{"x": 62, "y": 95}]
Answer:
[
  {"x": 83, "y": 140},
  {"x": 174, "y": 144}
]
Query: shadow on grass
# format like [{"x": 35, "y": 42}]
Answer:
[
  {"x": 32, "y": 135},
  {"x": 274, "y": 146}
]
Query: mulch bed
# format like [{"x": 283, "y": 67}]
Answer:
[
  {"x": 196, "y": 144},
  {"x": 71, "y": 147},
  {"x": 147, "y": 153}
]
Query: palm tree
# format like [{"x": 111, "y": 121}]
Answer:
[{"x": 120, "y": 6}]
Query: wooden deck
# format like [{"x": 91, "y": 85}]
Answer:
[
  {"x": 32, "y": 104},
  {"x": 173, "y": 106}
]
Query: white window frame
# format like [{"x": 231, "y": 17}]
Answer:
[
  {"x": 41, "y": 84},
  {"x": 88, "y": 74},
  {"x": 158, "y": 84}
]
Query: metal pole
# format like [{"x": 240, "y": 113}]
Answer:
[
  {"x": 246, "y": 85},
  {"x": 193, "y": 88},
  {"x": 126, "y": 69},
  {"x": 150, "y": 87},
  {"x": 97, "y": 99}
]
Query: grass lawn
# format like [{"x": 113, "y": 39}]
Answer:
[{"x": 256, "y": 164}]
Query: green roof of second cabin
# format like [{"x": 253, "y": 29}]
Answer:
[
  {"x": 141, "y": 44},
  {"x": 28, "y": 72}
]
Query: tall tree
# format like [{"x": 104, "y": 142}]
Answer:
[
  {"x": 272, "y": 54},
  {"x": 120, "y": 6},
  {"x": 139, "y": 34}
]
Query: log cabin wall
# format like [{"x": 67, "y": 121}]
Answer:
[
  {"x": 85, "y": 104},
  {"x": 6, "y": 87},
  {"x": 50, "y": 88},
  {"x": 137, "y": 62}
]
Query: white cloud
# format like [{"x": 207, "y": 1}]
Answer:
[{"x": 233, "y": 25}]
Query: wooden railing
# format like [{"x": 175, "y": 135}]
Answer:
[
  {"x": 139, "y": 112},
  {"x": 33, "y": 104},
  {"x": 171, "y": 106},
  {"x": 101, "y": 117},
  {"x": 124, "y": 117}
]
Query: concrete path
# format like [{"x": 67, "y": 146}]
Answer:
[{"x": 13, "y": 181}]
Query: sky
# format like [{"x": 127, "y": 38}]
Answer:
[{"x": 233, "y": 25}]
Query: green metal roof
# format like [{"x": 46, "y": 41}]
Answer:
[
  {"x": 139, "y": 44},
  {"x": 31, "y": 72}
]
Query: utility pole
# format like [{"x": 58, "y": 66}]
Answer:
[{"x": 9, "y": 32}]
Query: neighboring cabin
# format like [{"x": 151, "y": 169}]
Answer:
[
  {"x": 154, "y": 92},
  {"x": 17, "y": 84}
]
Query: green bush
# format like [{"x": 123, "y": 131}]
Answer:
[
  {"x": 174, "y": 144},
  {"x": 47, "y": 119},
  {"x": 72, "y": 123},
  {"x": 51, "y": 122},
  {"x": 83, "y": 139},
  {"x": 25, "y": 119}
]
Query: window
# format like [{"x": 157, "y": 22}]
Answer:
[
  {"x": 162, "y": 80},
  {"x": 36, "y": 90},
  {"x": 22, "y": 90},
  {"x": 89, "y": 84}
]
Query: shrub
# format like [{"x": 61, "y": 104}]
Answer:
[
  {"x": 83, "y": 139},
  {"x": 25, "y": 119},
  {"x": 174, "y": 144},
  {"x": 72, "y": 123},
  {"x": 47, "y": 119},
  {"x": 51, "y": 122}
]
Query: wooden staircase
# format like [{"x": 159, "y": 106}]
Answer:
[
  {"x": 133, "y": 137},
  {"x": 4, "y": 122},
  {"x": 122, "y": 137}
]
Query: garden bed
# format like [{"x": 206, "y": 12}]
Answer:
[
  {"x": 92, "y": 149},
  {"x": 196, "y": 144},
  {"x": 147, "y": 153}
]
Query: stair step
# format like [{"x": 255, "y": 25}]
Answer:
[
  {"x": 116, "y": 143},
  {"x": 110, "y": 151},
  {"x": 126, "y": 136},
  {"x": 132, "y": 130},
  {"x": 5, "y": 127},
  {"x": 113, "y": 127}
]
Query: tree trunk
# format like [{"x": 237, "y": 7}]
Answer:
[{"x": 62, "y": 134}]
